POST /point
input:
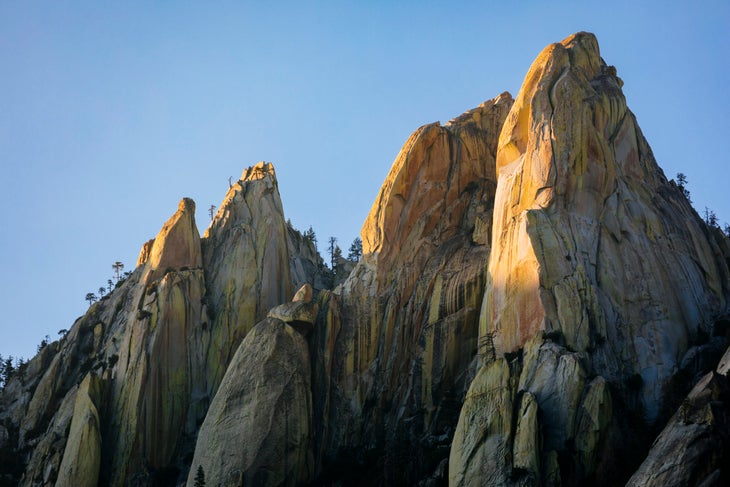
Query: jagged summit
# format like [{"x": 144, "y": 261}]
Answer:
[
  {"x": 178, "y": 243},
  {"x": 535, "y": 302}
]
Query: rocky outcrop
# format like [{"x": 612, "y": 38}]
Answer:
[
  {"x": 159, "y": 345},
  {"x": 82, "y": 455},
  {"x": 398, "y": 347},
  {"x": 484, "y": 431},
  {"x": 158, "y": 388},
  {"x": 258, "y": 429},
  {"x": 246, "y": 262},
  {"x": 590, "y": 240},
  {"x": 694, "y": 447},
  {"x": 600, "y": 269},
  {"x": 533, "y": 301},
  {"x": 177, "y": 246}
]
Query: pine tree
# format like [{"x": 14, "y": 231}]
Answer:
[
  {"x": 355, "y": 250},
  {"x": 337, "y": 255},
  {"x": 331, "y": 248},
  {"x": 310, "y": 236},
  {"x": 682, "y": 185},
  {"x": 117, "y": 266},
  {"x": 200, "y": 477},
  {"x": 711, "y": 218}
]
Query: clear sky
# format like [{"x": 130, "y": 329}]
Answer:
[{"x": 110, "y": 112}]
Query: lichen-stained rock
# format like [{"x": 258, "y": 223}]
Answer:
[
  {"x": 599, "y": 266},
  {"x": 163, "y": 393},
  {"x": 590, "y": 239},
  {"x": 409, "y": 310},
  {"x": 246, "y": 262},
  {"x": 45, "y": 460},
  {"x": 82, "y": 455},
  {"x": 594, "y": 418},
  {"x": 482, "y": 446},
  {"x": 557, "y": 380},
  {"x": 258, "y": 428},
  {"x": 556, "y": 417},
  {"x": 158, "y": 388},
  {"x": 300, "y": 313},
  {"x": 694, "y": 446},
  {"x": 526, "y": 450}
]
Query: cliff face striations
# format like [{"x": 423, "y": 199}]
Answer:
[
  {"x": 406, "y": 328},
  {"x": 600, "y": 273},
  {"x": 536, "y": 304}
]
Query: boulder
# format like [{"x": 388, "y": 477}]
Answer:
[{"x": 258, "y": 428}]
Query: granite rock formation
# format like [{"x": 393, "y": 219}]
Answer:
[
  {"x": 535, "y": 305},
  {"x": 600, "y": 272}
]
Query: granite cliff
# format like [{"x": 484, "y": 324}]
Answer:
[{"x": 536, "y": 304}]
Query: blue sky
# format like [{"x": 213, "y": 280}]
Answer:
[{"x": 110, "y": 113}]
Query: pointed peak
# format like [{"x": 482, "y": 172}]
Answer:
[
  {"x": 176, "y": 245},
  {"x": 258, "y": 171},
  {"x": 186, "y": 205}
]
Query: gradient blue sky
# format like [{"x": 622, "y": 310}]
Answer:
[{"x": 110, "y": 113}]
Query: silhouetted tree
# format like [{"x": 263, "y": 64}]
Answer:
[
  {"x": 91, "y": 298},
  {"x": 211, "y": 211},
  {"x": 710, "y": 218},
  {"x": 310, "y": 237},
  {"x": 682, "y": 185},
  {"x": 355, "y": 249},
  {"x": 331, "y": 249},
  {"x": 8, "y": 369},
  {"x": 109, "y": 283},
  {"x": 102, "y": 290},
  {"x": 62, "y": 332},
  {"x": 44, "y": 343},
  {"x": 20, "y": 366},
  {"x": 200, "y": 477},
  {"x": 336, "y": 258},
  {"x": 117, "y": 266}
]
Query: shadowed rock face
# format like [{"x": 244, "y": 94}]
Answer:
[
  {"x": 258, "y": 428},
  {"x": 694, "y": 447}
]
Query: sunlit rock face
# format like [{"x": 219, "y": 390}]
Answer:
[
  {"x": 177, "y": 245},
  {"x": 158, "y": 381},
  {"x": 599, "y": 268},
  {"x": 154, "y": 350},
  {"x": 590, "y": 240},
  {"x": 534, "y": 301},
  {"x": 246, "y": 263},
  {"x": 397, "y": 342}
]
